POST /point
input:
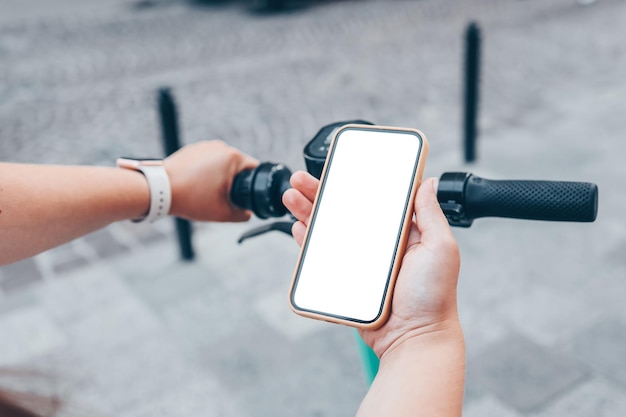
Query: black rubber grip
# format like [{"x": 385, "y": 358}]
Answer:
[{"x": 533, "y": 200}]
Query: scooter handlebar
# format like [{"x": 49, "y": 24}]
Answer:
[{"x": 465, "y": 197}]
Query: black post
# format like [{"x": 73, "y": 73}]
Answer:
[
  {"x": 171, "y": 143},
  {"x": 472, "y": 81}
]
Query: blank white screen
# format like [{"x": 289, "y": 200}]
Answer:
[{"x": 349, "y": 251}]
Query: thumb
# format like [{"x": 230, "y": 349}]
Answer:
[{"x": 431, "y": 222}]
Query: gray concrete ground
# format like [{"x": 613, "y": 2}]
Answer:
[{"x": 125, "y": 328}]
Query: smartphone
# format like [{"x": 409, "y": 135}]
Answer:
[{"x": 359, "y": 225}]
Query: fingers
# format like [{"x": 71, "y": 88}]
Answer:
[
  {"x": 298, "y": 205},
  {"x": 299, "y": 199},
  {"x": 298, "y": 230},
  {"x": 305, "y": 183}
]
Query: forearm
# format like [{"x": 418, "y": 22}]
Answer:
[
  {"x": 42, "y": 206},
  {"x": 422, "y": 377}
]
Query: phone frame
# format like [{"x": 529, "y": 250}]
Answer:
[{"x": 385, "y": 305}]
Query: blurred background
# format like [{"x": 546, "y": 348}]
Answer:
[{"x": 116, "y": 324}]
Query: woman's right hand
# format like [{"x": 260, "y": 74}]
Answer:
[{"x": 424, "y": 298}]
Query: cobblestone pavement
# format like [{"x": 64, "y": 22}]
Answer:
[{"x": 125, "y": 328}]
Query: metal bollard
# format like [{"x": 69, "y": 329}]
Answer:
[
  {"x": 472, "y": 82},
  {"x": 171, "y": 143}
]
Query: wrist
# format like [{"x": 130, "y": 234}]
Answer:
[
  {"x": 446, "y": 332},
  {"x": 422, "y": 375},
  {"x": 132, "y": 194}
]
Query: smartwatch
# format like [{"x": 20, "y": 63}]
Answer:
[{"x": 158, "y": 182}]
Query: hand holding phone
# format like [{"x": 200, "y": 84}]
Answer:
[
  {"x": 350, "y": 258},
  {"x": 424, "y": 298}
]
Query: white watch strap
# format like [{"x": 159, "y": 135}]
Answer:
[
  {"x": 160, "y": 192},
  {"x": 158, "y": 183}
]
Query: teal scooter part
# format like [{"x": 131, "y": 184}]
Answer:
[{"x": 368, "y": 359}]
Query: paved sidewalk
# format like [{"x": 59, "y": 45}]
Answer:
[{"x": 130, "y": 330}]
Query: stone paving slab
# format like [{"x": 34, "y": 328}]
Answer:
[
  {"x": 602, "y": 345},
  {"x": 525, "y": 375},
  {"x": 202, "y": 397},
  {"x": 594, "y": 398},
  {"x": 31, "y": 332},
  {"x": 489, "y": 406}
]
